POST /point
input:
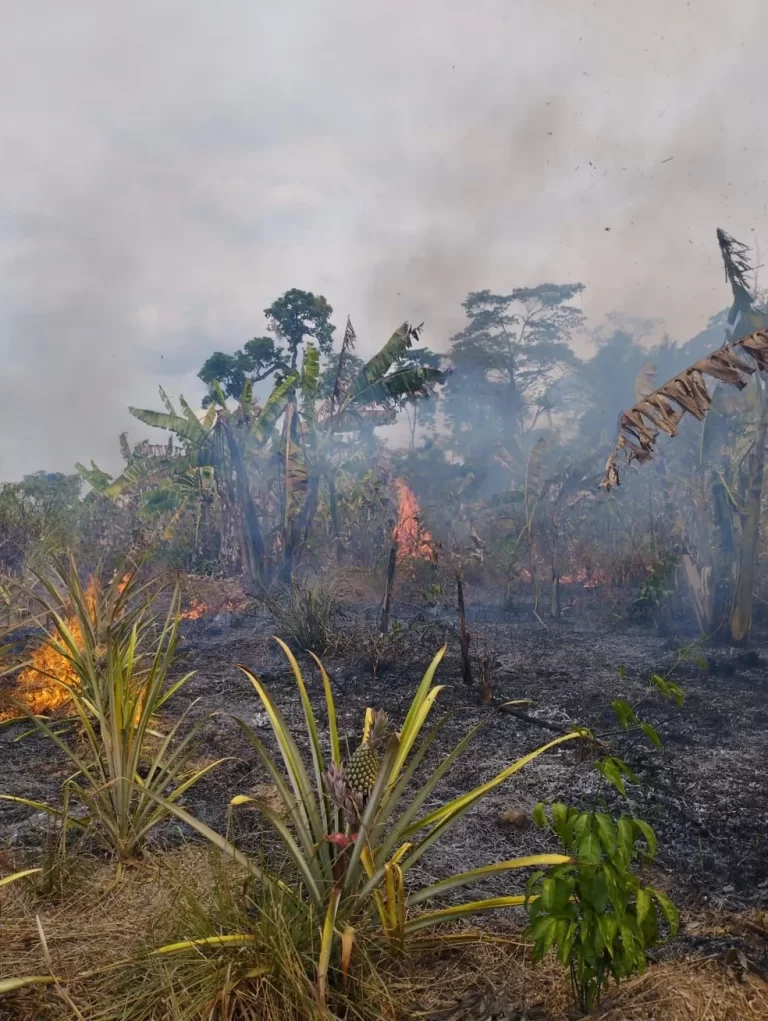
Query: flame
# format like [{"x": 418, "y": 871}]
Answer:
[
  {"x": 36, "y": 688},
  {"x": 584, "y": 577},
  {"x": 123, "y": 583},
  {"x": 198, "y": 608},
  {"x": 195, "y": 611},
  {"x": 411, "y": 539}
]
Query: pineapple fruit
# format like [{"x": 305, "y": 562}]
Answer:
[{"x": 362, "y": 770}]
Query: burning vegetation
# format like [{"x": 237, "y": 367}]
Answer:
[
  {"x": 499, "y": 549},
  {"x": 410, "y": 537}
]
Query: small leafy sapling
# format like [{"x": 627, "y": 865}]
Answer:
[
  {"x": 594, "y": 911},
  {"x": 614, "y": 769}
]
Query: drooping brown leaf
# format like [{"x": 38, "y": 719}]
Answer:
[
  {"x": 645, "y": 380},
  {"x": 662, "y": 409}
]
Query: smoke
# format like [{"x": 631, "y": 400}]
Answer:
[{"x": 169, "y": 169}]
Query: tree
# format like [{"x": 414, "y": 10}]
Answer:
[
  {"x": 258, "y": 359},
  {"x": 298, "y": 315},
  {"x": 220, "y": 442},
  {"x": 507, "y": 358},
  {"x": 38, "y": 517},
  {"x": 321, "y": 440},
  {"x": 293, "y": 318}
]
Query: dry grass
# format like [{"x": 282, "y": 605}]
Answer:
[
  {"x": 100, "y": 920},
  {"x": 689, "y": 990},
  {"x": 686, "y": 989},
  {"x": 103, "y": 920}
]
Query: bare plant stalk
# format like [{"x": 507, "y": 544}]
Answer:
[
  {"x": 466, "y": 665},
  {"x": 741, "y": 612},
  {"x": 554, "y": 602},
  {"x": 486, "y": 688},
  {"x": 384, "y": 628}
]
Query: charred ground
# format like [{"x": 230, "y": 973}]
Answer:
[{"x": 703, "y": 792}]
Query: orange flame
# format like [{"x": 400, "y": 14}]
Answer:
[
  {"x": 36, "y": 688},
  {"x": 584, "y": 577},
  {"x": 195, "y": 611},
  {"x": 412, "y": 540},
  {"x": 198, "y": 608}
]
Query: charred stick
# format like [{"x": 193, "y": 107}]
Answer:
[
  {"x": 556, "y": 728},
  {"x": 466, "y": 665},
  {"x": 384, "y": 628}
]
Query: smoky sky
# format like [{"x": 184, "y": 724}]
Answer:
[{"x": 169, "y": 168}]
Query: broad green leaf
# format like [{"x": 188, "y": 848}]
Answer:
[
  {"x": 668, "y": 908},
  {"x": 652, "y": 734},
  {"x": 607, "y": 833},
  {"x": 392, "y": 352},
  {"x": 625, "y": 713},
  {"x": 648, "y": 835},
  {"x": 540, "y": 814},
  {"x": 642, "y": 905}
]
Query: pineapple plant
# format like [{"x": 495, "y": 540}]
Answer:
[{"x": 362, "y": 770}]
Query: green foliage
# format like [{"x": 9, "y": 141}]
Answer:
[
  {"x": 506, "y": 358},
  {"x": 121, "y": 661},
  {"x": 594, "y": 911},
  {"x": 39, "y": 518},
  {"x": 657, "y": 586},
  {"x": 258, "y": 359},
  {"x": 668, "y": 689},
  {"x": 351, "y": 853},
  {"x": 306, "y": 615},
  {"x": 297, "y": 315}
]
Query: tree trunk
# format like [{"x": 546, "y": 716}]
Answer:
[
  {"x": 295, "y": 480},
  {"x": 310, "y": 506},
  {"x": 554, "y": 597},
  {"x": 466, "y": 664},
  {"x": 741, "y": 611},
  {"x": 252, "y": 540}
]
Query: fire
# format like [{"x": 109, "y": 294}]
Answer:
[
  {"x": 36, "y": 688},
  {"x": 195, "y": 611},
  {"x": 584, "y": 577},
  {"x": 198, "y": 608},
  {"x": 412, "y": 540}
]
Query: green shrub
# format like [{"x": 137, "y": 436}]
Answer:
[
  {"x": 306, "y": 615},
  {"x": 593, "y": 910}
]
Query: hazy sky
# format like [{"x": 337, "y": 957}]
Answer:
[{"x": 169, "y": 168}]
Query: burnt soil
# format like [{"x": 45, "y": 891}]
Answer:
[{"x": 704, "y": 792}]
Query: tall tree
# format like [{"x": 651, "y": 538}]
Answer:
[
  {"x": 513, "y": 349},
  {"x": 297, "y": 316},
  {"x": 293, "y": 319},
  {"x": 258, "y": 359}
]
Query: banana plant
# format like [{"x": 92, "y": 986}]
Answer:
[
  {"x": 221, "y": 441},
  {"x": 322, "y": 441},
  {"x": 730, "y": 487},
  {"x": 352, "y": 849}
]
